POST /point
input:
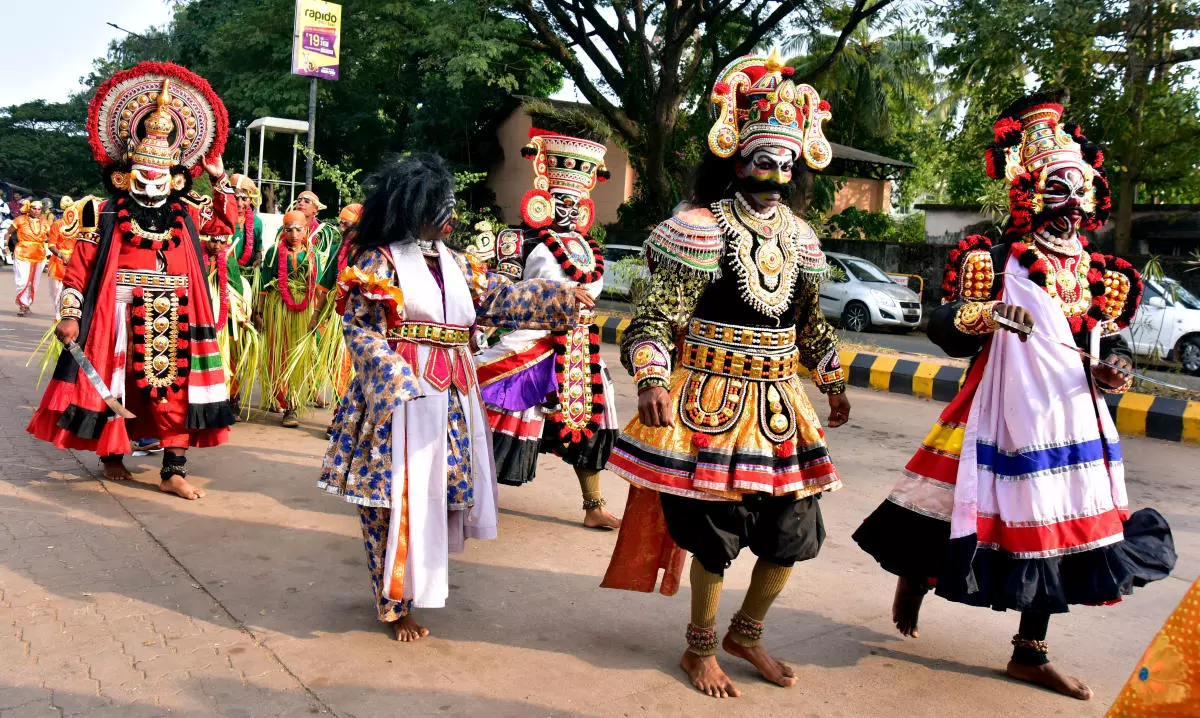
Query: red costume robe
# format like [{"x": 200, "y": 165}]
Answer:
[{"x": 147, "y": 339}]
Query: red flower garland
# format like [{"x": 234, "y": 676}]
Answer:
[
  {"x": 555, "y": 243},
  {"x": 285, "y": 291},
  {"x": 222, "y": 291},
  {"x": 125, "y": 228},
  {"x": 247, "y": 237}
]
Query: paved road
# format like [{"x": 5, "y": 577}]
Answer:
[{"x": 118, "y": 600}]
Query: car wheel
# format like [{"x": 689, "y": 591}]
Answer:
[
  {"x": 1189, "y": 355},
  {"x": 856, "y": 317}
]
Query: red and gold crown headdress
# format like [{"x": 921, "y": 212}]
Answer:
[
  {"x": 1031, "y": 141},
  {"x": 157, "y": 114},
  {"x": 570, "y": 165},
  {"x": 755, "y": 104}
]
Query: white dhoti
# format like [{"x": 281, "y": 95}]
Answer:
[{"x": 28, "y": 276}]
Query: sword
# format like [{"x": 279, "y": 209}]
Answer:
[
  {"x": 93, "y": 377},
  {"x": 1028, "y": 331}
]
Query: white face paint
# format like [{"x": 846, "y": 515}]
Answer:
[
  {"x": 1065, "y": 199},
  {"x": 149, "y": 186}
]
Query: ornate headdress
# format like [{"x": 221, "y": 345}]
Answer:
[
  {"x": 755, "y": 103},
  {"x": 65, "y": 201},
  {"x": 243, "y": 186},
  {"x": 157, "y": 114},
  {"x": 309, "y": 194},
  {"x": 81, "y": 218},
  {"x": 1030, "y": 142},
  {"x": 570, "y": 165}
]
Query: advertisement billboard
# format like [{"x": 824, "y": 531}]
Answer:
[{"x": 317, "y": 42}]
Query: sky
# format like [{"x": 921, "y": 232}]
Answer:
[{"x": 49, "y": 46}]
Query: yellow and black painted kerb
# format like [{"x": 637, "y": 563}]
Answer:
[{"x": 1157, "y": 417}]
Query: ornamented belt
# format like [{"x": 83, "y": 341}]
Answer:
[
  {"x": 739, "y": 363},
  {"x": 751, "y": 338},
  {"x": 135, "y": 278},
  {"x": 446, "y": 335}
]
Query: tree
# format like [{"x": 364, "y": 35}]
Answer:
[
  {"x": 43, "y": 146},
  {"x": 1123, "y": 65},
  {"x": 654, "y": 61},
  {"x": 415, "y": 74}
]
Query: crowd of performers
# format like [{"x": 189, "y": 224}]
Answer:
[{"x": 454, "y": 371}]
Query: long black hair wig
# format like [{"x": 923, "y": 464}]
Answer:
[{"x": 405, "y": 195}]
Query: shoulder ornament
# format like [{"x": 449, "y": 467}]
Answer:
[{"x": 692, "y": 239}]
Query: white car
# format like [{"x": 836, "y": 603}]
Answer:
[
  {"x": 860, "y": 295},
  {"x": 619, "y": 275},
  {"x": 1167, "y": 325}
]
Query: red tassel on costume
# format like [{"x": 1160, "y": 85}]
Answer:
[{"x": 701, "y": 441}]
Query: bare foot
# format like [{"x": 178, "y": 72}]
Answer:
[
  {"x": 408, "y": 630},
  {"x": 600, "y": 519},
  {"x": 116, "y": 471},
  {"x": 775, "y": 671},
  {"x": 907, "y": 605},
  {"x": 1049, "y": 677},
  {"x": 706, "y": 674},
  {"x": 180, "y": 486}
]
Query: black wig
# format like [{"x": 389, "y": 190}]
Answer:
[{"x": 405, "y": 195}]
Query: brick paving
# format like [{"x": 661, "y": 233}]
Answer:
[{"x": 97, "y": 617}]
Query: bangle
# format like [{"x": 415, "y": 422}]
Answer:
[
  {"x": 975, "y": 318},
  {"x": 650, "y": 361}
]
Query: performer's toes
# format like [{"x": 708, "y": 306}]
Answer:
[
  {"x": 408, "y": 630},
  {"x": 600, "y": 519},
  {"x": 1048, "y": 676},
  {"x": 775, "y": 671},
  {"x": 906, "y": 607},
  {"x": 180, "y": 487},
  {"x": 706, "y": 675},
  {"x": 117, "y": 472}
]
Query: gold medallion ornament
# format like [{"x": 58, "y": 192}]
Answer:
[
  {"x": 768, "y": 253},
  {"x": 1066, "y": 284}
]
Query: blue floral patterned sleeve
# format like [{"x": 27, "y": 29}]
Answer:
[
  {"x": 530, "y": 304},
  {"x": 387, "y": 380}
]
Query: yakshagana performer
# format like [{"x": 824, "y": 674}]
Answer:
[
  {"x": 231, "y": 281},
  {"x": 1016, "y": 499},
  {"x": 287, "y": 289},
  {"x": 410, "y": 443},
  {"x": 60, "y": 244},
  {"x": 550, "y": 391},
  {"x": 134, "y": 294},
  {"x": 726, "y": 451},
  {"x": 1166, "y": 682},
  {"x": 27, "y": 239}
]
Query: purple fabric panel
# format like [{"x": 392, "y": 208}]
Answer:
[{"x": 524, "y": 389}]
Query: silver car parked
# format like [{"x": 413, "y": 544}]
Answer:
[{"x": 860, "y": 295}]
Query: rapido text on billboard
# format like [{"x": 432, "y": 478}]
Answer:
[{"x": 317, "y": 43}]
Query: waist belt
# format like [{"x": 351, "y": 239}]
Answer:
[
  {"x": 738, "y": 363},
  {"x": 751, "y": 338},
  {"x": 135, "y": 278},
  {"x": 445, "y": 335}
]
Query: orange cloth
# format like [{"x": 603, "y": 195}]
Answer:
[
  {"x": 31, "y": 238},
  {"x": 1166, "y": 682},
  {"x": 643, "y": 547},
  {"x": 65, "y": 245}
]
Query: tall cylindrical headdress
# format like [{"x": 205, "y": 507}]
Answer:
[{"x": 568, "y": 165}]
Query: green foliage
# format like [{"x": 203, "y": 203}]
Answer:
[
  {"x": 346, "y": 182},
  {"x": 854, "y": 223},
  {"x": 43, "y": 147},
  {"x": 416, "y": 74},
  {"x": 574, "y": 120},
  {"x": 599, "y": 234}
]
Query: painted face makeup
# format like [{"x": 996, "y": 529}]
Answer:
[
  {"x": 1066, "y": 198},
  {"x": 293, "y": 233},
  {"x": 566, "y": 210},
  {"x": 765, "y": 175},
  {"x": 307, "y": 206},
  {"x": 149, "y": 186}
]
